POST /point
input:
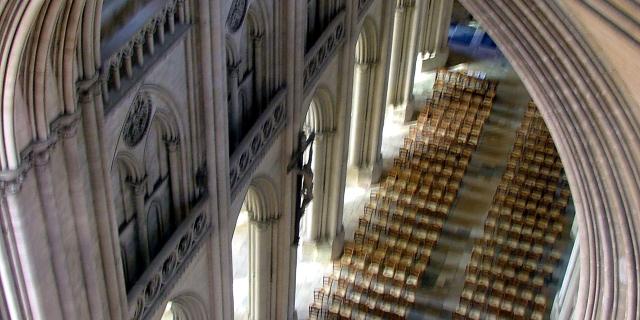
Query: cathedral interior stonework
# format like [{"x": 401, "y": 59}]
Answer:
[{"x": 319, "y": 159}]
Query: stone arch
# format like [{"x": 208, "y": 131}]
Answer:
[
  {"x": 597, "y": 139},
  {"x": 319, "y": 221},
  {"x": 261, "y": 200},
  {"x": 132, "y": 166},
  {"x": 367, "y": 45},
  {"x": 165, "y": 110},
  {"x": 320, "y": 113},
  {"x": 187, "y": 306},
  {"x": 366, "y": 116}
]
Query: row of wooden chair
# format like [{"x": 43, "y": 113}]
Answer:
[
  {"x": 513, "y": 262},
  {"x": 382, "y": 267}
]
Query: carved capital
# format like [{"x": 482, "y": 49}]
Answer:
[
  {"x": 90, "y": 87},
  {"x": 66, "y": 125},
  {"x": 11, "y": 180},
  {"x": 138, "y": 185},
  {"x": 173, "y": 143}
]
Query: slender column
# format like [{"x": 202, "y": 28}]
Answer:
[
  {"x": 115, "y": 71},
  {"x": 138, "y": 43},
  {"x": 259, "y": 67},
  {"x": 400, "y": 51},
  {"x": 128, "y": 61},
  {"x": 149, "y": 31},
  {"x": 360, "y": 114},
  {"x": 160, "y": 29},
  {"x": 434, "y": 49},
  {"x": 85, "y": 224},
  {"x": 138, "y": 188},
  {"x": 173, "y": 147},
  {"x": 260, "y": 269},
  {"x": 235, "y": 111}
]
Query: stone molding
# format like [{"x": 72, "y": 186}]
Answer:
[
  {"x": 38, "y": 153},
  {"x": 256, "y": 142},
  {"x": 123, "y": 66},
  {"x": 323, "y": 50},
  {"x": 596, "y": 135},
  {"x": 166, "y": 269}
]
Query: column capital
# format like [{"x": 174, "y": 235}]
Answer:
[
  {"x": 11, "y": 180},
  {"x": 138, "y": 185},
  {"x": 39, "y": 152},
  {"x": 66, "y": 125},
  {"x": 173, "y": 143}
]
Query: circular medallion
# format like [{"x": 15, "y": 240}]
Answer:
[{"x": 138, "y": 120}]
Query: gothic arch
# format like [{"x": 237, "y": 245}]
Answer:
[
  {"x": 367, "y": 46},
  {"x": 188, "y": 306},
  {"x": 596, "y": 132},
  {"x": 132, "y": 166},
  {"x": 320, "y": 112},
  {"x": 320, "y": 217},
  {"x": 261, "y": 200},
  {"x": 366, "y": 114},
  {"x": 165, "y": 111}
]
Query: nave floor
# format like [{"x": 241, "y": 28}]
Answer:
[{"x": 444, "y": 279}]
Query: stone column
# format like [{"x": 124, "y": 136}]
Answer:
[
  {"x": 173, "y": 148},
  {"x": 259, "y": 69},
  {"x": 400, "y": 51},
  {"x": 260, "y": 268},
  {"x": 76, "y": 168},
  {"x": 235, "y": 111},
  {"x": 434, "y": 49},
  {"x": 139, "y": 191},
  {"x": 360, "y": 114}
]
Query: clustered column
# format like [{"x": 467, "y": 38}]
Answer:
[
  {"x": 359, "y": 156},
  {"x": 434, "y": 49},
  {"x": 401, "y": 57}
]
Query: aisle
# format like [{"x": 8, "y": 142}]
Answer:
[{"x": 438, "y": 297}]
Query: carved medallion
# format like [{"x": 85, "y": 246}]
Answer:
[
  {"x": 138, "y": 120},
  {"x": 236, "y": 15}
]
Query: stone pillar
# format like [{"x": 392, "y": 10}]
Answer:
[
  {"x": 175, "y": 167},
  {"x": 401, "y": 57},
  {"x": 139, "y": 191},
  {"x": 261, "y": 271},
  {"x": 235, "y": 110},
  {"x": 259, "y": 76},
  {"x": 76, "y": 168},
  {"x": 359, "y": 140},
  {"x": 434, "y": 49}
]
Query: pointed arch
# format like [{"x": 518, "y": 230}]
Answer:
[
  {"x": 367, "y": 46},
  {"x": 261, "y": 200},
  {"x": 320, "y": 114},
  {"x": 131, "y": 165}
]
